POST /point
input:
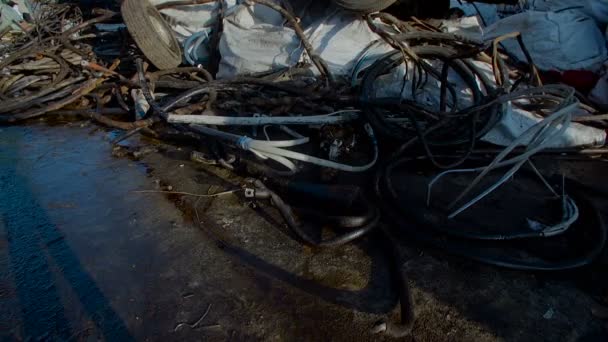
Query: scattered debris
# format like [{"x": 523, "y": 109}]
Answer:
[
  {"x": 186, "y": 193},
  {"x": 195, "y": 324}
]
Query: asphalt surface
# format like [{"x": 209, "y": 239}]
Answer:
[{"x": 85, "y": 256}]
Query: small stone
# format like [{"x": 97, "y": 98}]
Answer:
[{"x": 549, "y": 314}]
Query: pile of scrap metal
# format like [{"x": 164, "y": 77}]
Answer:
[{"x": 386, "y": 123}]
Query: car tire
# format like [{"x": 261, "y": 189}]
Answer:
[
  {"x": 151, "y": 33},
  {"x": 364, "y": 6}
]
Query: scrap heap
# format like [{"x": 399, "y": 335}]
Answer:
[{"x": 418, "y": 128}]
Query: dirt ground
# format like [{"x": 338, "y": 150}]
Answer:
[{"x": 84, "y": 256}]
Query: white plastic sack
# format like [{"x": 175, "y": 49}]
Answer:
[
  {"x": 255, "y": 40},
  {"x": 187, "y": 20},
  {"x": 516, "y": 121},
  {"x": 342, "y": 38},
  {"x": 556, "y": 41}
]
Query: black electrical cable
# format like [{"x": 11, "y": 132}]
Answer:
[
  {"x": 419, "y": 215},
  {"x": 393, "y": 59},
  {"x": 405, "y": 325},
  {"x": 473, "y": 246},
  {"x": 262, "y": 192},
  {"x": 342, "y": 221},
  {"x": 297, "y": 228},
  {"x": 456, "y": 131}
]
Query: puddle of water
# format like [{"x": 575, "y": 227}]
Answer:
[{"x": 75, "y": 232}]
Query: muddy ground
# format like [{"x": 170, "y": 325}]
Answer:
[{"x": 84, "y": 256}]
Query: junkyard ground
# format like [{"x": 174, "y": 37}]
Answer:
[{"x": 84, "y": 256}]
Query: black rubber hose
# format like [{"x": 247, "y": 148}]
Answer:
[
  {"x": 459, "y": 233},
  {"x": 425, "y": 235},
  {"x": 395, "y": 58},
  {"x": 146, "y": 90},
  {"x": 463, "y": 66},
  {"x": 468, "y": 133},
  {"x": 342, "y": 221},
  {"x": 441, "y": 36},
  {"x": 406, "y": 304},
  {"x": 296, "y": 227},
  {"x": 340, "y": 240}
]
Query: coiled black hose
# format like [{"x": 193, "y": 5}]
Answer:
[
  {"x": 453, "y": 128},
  {"x": 474, "y": 246},
  {"x": 438, "y": 128},
  {"x": 364, "y": 227}
]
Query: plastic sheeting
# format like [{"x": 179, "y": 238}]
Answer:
[
  {"x": 596, "y": 9},
  {"x": 491, "y": 13},
  {"x": 10, "y": 17},
  {"x": 556, "y": 41},
  {"x": 487, "y": 12},
  {"x": 516, "y": 121},
  {"x": 599, "y": 94},
  {"x": 465, "y": 26}
]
